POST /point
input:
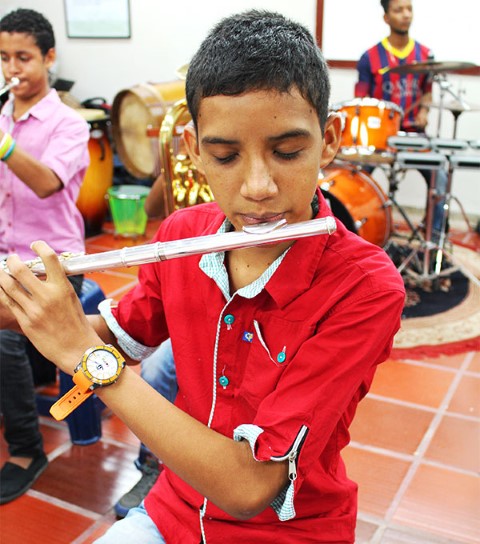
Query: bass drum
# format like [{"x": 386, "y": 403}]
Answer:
[
  {"x": 137, "y": 114},
  {"x": 358, "y": 201}
]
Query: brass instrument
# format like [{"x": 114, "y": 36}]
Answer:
[
  {"x": 184, "y": 185},
  {"x": 256, "y": 235},
  {"x": 13, "y": 83}
]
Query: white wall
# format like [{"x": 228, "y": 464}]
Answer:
[{"x": 165, "y": 34}]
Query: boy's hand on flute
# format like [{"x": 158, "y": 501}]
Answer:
[{"x": 48, "y": 312}]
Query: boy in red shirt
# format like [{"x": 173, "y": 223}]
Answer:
[{"x": 274, "y": 346}]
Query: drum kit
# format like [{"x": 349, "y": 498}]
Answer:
[{"x": 371, "y": 138}]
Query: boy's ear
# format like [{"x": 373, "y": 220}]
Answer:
[
  {"x": 331, "y": 138},
  {"x": 191, "y": 145},
  {"x": 50, "y": 58}
]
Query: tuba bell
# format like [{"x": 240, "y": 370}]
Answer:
[{"x": 184, "y": 185}]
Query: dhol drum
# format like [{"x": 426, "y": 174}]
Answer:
[
  {"x": 99, "y": 175},
  {"x": 137, "y": 114},
  {"x": 367, "y": 124},
  {"x": 358, "y": 202}
]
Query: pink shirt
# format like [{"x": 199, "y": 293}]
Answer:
[
  {"x": 281, "y": 363},
  {"x": 58, "y": 137}
]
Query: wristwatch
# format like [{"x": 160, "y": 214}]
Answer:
[{"x": 100, "y": 366}]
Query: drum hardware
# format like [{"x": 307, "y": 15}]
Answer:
[
  {"x": 405, "y": 142},
  {"x": 474, "y": 144},
  {"x": 428, "y": 254},
  {"x": 421, "y": 161}
]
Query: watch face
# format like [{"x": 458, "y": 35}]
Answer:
[{"x": 102, "y": 366}]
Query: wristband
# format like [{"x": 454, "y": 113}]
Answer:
[
  {"x": 5, "y": 144},
  {"x": 4, "y": 139},
  {"x": 9, "y": 152}
]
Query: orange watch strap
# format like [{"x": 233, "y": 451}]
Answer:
[{"x": 67, "y": 404}]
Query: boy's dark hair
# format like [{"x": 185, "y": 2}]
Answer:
[
  {"x": 385, "y": 5},
  {"x": 31, "y": 22},
  {"x": 258, "y": 50}
]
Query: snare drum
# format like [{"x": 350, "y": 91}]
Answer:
[
  {"x": 359, "y": 202},
  {"x": 367, "y": 124}
]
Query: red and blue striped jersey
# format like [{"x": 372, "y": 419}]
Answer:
[{"x": 405, "y": 90}]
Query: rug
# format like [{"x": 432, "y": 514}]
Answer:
[{"x": 442, "y": 322}]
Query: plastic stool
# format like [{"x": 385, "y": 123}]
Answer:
[{"x": 84, "y": 423}]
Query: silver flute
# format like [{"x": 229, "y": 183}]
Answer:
[
  {"x": 256, "y": 235},
  {"x": 13, "y": 83}
]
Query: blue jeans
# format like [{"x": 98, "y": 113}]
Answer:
[
  {"x": 135, "y": 527},
  {"x": 158, "y": 370}
]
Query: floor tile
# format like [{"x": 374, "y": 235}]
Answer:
[
  {"x": 474, "y": 365},
  {"x": 415, "y": 383},
  {"x": 99, "y": 473},
  {"x": 111, "y": 283},
  {"x": 364, "y": 532},
  {"x": 29, "y": 520},
  {"x": 442, "y": 502},
  {"x": 390, "y": 426},
  {"x": 456, "y": 442},
  {"x": 454, "y": 361},
  {"x": 466, "y": 399},
  {"x": 378, "y": 478},
  {"x": 399, "y": 536},
  {"x": 114, "y": 429}
]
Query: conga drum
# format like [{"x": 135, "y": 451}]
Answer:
[
  {"x": 137, "y": 114},
  {"x": 99, "y": 175}
]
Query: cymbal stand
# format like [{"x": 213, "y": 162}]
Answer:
[{"x": 445, "y": 87}]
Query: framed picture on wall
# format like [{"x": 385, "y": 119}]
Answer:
[{"x": 97, "y": 18}]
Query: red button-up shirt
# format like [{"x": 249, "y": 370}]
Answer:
[{"x": 284, "y": 369}]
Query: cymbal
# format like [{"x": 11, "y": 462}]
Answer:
[
  {"x": 431, "y": 66},
  {"x": 455, "y": 106},
  {"x": 182, "y": 71}
]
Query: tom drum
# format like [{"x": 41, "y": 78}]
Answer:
[{"x": 367, "y": 123}]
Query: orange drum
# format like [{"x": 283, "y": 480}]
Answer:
[
  {"x": 137, "y": 114},
  {"x": 99, "y": 176},
  {"x": 358, "y": 202},
  {"x": 367, "y": 124}
]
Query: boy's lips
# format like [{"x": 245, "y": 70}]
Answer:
[{"x": 253, "y": 219}]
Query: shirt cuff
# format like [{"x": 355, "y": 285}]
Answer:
[
  {"x": 131, "y": 347},
  {"x": 283, "y": 503}
]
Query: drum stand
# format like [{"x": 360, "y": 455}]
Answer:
[{"x": 424, "y": 262}]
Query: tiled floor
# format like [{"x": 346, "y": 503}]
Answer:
[{"x": 415, "y": 453}]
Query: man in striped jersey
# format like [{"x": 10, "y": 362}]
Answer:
[{"x": 411, "y": 91}]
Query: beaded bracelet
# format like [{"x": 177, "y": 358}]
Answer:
[
  {"x": 9, "y": 152},
  {"x": 5, "y": 144}
]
